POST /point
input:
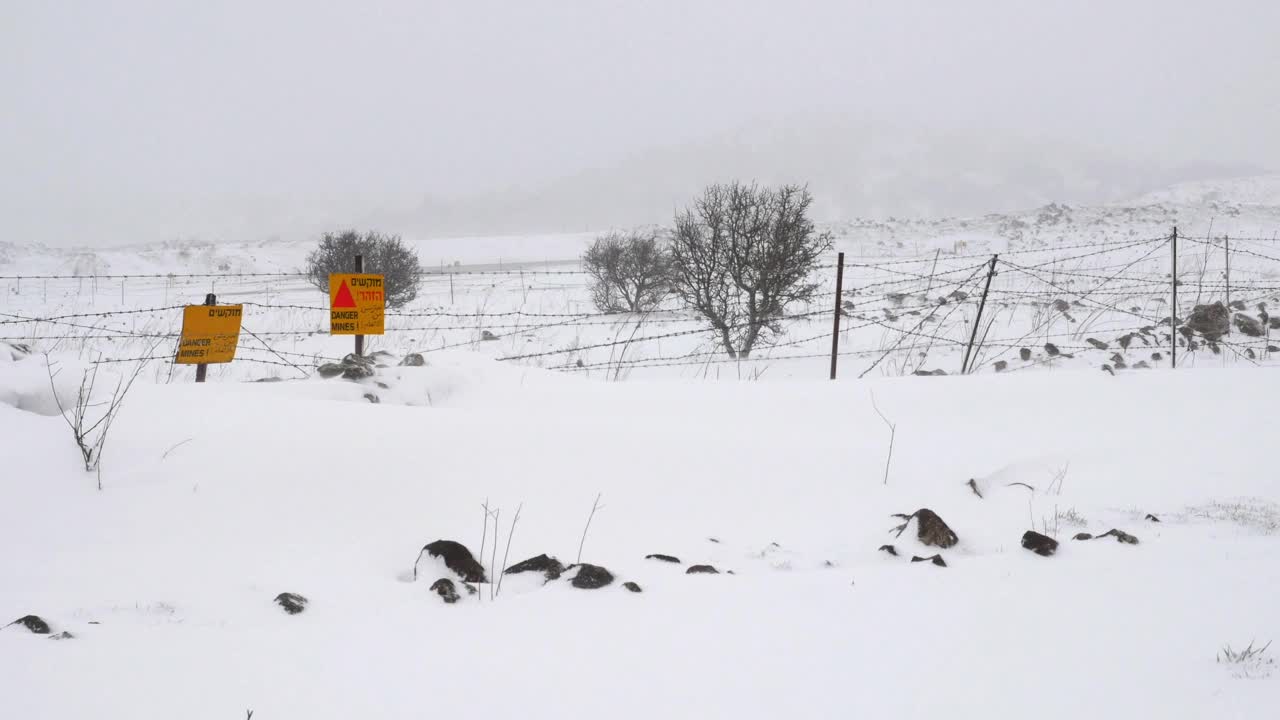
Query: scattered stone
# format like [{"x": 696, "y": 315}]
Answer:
[
  {"x": 1119, "y": 535},
  {"x": 550, "y": 567},
  {"x": 701, "y": 570},
  {"x": 64, "y": 635},
  {"x": 1141, "y": 365},
  {"x": 1152, "y": 518},
  {"x": 1249, "y": 353},
  {"x": 591, "y": 577},
  {"x": 632, "y": 586},
  {"x": 1082, "y": 536},
  {"x": 1157, "y": 357},
  {"x": 714, "y": 540},
  {"x": 1273, "y": 348},
  {"x": 34, "y": 623},
  {"x": 1274, "y": 322},
  {"x": 958, "y": 295},
  {"x": 487, "y": 336},
  {"x": 1237, "y": 305},
  {"x": 1039, "y": 544},
  {"x": 1025, "y": 354},
  {"x": 973, "y": 485},
  {"x": 1098, "y": 344},
  {"x": 1001, "y": 365},
  {"x": 930, "y": 529},
  {"x": 330, "y": 370},
  {"x": 1061, "y": 305},
  {"x": 1210, "y": 321},
  {"x": 456, "y": 557},
  {"x": 1052, "y": 350},
  {"x": 372, "y": 398},
  {"x": 663, "y": 558},
  {"x": 1248, "y": 325},
  {"x": 447, "y": 591},
  {"x": 352, "y": 367},
  {"x": 413, "y": 360},
  {"x": 1125, "y": 341},
  {"x": 935, "y": 559},
  {"x": 889, "y": 549},
  {"x": 1107, "y": 369},
  {"x": 292, "y": 603}
]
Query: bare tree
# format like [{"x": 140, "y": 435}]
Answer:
[
  {"x": 386, "y": 255},
  {"x": 742, "y": 254},
  {"x": 629, "y": 271}
]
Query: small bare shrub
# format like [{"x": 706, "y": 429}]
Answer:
[{"x": 1251, "y": 662}]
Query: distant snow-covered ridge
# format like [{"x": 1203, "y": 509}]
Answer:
[{"x": 1242, "y": 207}]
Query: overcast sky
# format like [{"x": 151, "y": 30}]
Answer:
[{"x": 131, "y": 121}]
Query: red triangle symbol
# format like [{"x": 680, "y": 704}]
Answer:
[{"x": 344, "y": 299}]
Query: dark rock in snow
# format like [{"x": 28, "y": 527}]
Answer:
[
  {"x": 330, "y": 370},
  {"x": 1157, "y": 357},
  {"x": 1119, "y": 535},
  {"x": 1097, "y": 343},
  {"x": 1152, "y": 518},
  {"x": 889, "y": 549},
  {"x": 292, "y": 603},
  {"x": 1274, "y": 322},
  {"x": 714, "y": 540},
  {"x": 447, "y": 591},
  {"x": 1211, "y": 321},
  {"x": 456, "y": 557},
  {"x": 1237, "y": 305},
  {"x": 1039, "y": 544},
  {"x": 663, "y": 558},
  {"x": 1025, "y": 354},
  {"x": 1052, "y": 350},
  {"x": 372, "y": 398},
  {"x": 1082, "y": 536},
  {"x": 701, "y": 570},
  {"x": 34, "y": 623},
  {"x": 1001, "y": 365},
  {"x": 591, "y": 577},
  {"x": 1248, "y": 325},
  {"x": 487, "y": 336},
  {"x": 1141, "y": 365},
  {"x": 930, "y": 529},
  {"x": 1107, "y": 369},
  {"x": 413, "y": 360},
  {"x": 64, "y": 635},
  {"x": 550, "y": 567},
  {"x": 935, "y": 559},
  {"x": 631, "y": 586}
]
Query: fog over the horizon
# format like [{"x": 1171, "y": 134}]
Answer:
[{"x": 146, "y": 120}]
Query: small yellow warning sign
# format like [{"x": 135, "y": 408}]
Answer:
[
  {"x": 357, "y": 304},
  {"x": 210, "y": 334}
]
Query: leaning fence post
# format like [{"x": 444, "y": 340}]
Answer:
[
  {"x": 835, "y": 328},
  {"x": 1173, "y": 314},
  {"x": 964, "y": 365}
]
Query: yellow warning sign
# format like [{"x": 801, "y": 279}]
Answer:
[
  {"x": 357, "y": 304},
  {"x": 210, "y": 334}
]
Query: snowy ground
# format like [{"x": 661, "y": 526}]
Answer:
[{"x": 218, "y": 497}]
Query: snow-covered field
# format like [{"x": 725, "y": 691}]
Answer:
[
  {"x": 219, "y": 497},
  {"x": 215, "y": 498}
]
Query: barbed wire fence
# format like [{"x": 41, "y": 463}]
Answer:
[{"x": 903, "y": 315}]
